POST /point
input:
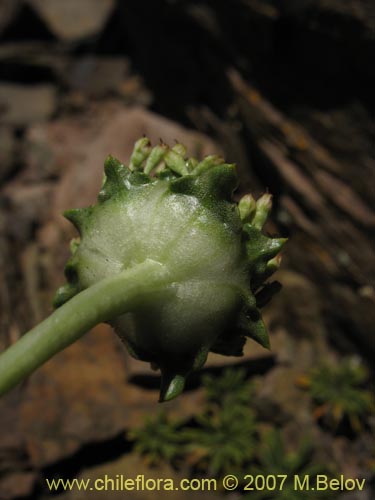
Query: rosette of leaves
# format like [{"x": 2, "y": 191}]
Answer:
[
  {"x": 273, "y": 459},
  {"x": 339, "y": 394},
  {"x": 230, "y": 388},
  {"x": 169, "y": 260},
  {"x": 224, "y": 441},
  {"x": 157, "y": 440}
]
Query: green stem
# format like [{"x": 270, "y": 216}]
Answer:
[{"x": 101, "y": 302}]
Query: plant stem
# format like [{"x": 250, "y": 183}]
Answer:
[{"x": 103, "y": 301}]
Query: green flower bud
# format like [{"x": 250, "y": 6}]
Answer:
[
  {"x": 184, "y": 218},
  {"x": 169, "y": 260}
]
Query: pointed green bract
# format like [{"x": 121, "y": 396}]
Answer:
[
  {"x": 171, "y": 385},
  {"x": 78, "y": 217},
  {"x": 65, "y": 293},
  {"x": 219, "y": 181},
  {"x": 115, "y": 178},
  {"x": 74, "y": 245},
  {"x": 256, "y": 330},
  {"x": 179, "y": 212},
  {"x": 260, "y": 247}
]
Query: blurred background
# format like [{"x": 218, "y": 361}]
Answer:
[{"x": 284, "y": 88}]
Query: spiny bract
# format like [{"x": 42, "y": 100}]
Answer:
[{"x": 178, "y": 212}]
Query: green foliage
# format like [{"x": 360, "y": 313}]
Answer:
[
  {"x": 224, "y": 441},
  {"x": 274, "y": 459},
  {"x": 229, "y": 389},
  {"x": 157, "y": 439},
  {"x": 339, "y": 395},
  {"x": 224, "y": 436}
]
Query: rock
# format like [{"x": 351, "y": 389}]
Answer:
[
  {"x": 16, "y": 477},
  {"x": 293, "y": 8},
  {"x": 37, "y": 156},
  {"x": 33, "y": 61},
  {"x": 21, "y": 105},
  {"x": 348, "y": 133},
  {"x": 17, "y": 485},
  {"x": 79, "y": 396},
  {"x": 84, "y": 394},
  {"x": 134, "y": 92},
  {"x": 7, "y": 151},
  {"x": 26, "y": 203},
  {"x": 279, "y": 386},
  {"x": 114, "y": 132},
  {"x": 71, "y": 20},
  {"x": 329, "y": 223},
  {"x": 298, "y": 308},
  {"x": 354, "y": 315},
  {"x": 97, "y": 76},
  {"x": 8, "y": 10}
]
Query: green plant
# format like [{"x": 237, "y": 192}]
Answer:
[
  {"x": 338, "y": 393},
  {"x": 274, "y": 460},
  {"x": 230, "y": 388},
  {"x": 224, "y": 441},
  {"x": 168, "y": 260},
  {"x": 158, "y": 439}
]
